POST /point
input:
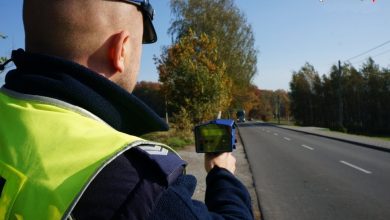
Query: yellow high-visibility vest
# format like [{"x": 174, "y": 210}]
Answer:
[{"x": 50, "y": 151}]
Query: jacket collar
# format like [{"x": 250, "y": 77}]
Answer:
[{"x": 53, "y": 77}]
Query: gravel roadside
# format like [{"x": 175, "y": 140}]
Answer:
[{"x": 195, "y": 167}]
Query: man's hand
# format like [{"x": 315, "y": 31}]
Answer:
[{"x": 223, "y": 160}]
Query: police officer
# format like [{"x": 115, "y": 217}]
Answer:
[{"x": 69, "y": 125}]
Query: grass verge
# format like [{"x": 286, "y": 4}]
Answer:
[
  {"x": 282, "y": 122},
  {"x": 174, "y": 138},
  {"x": 384, "y": 138}
]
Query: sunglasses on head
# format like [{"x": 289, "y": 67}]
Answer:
[{"x": 149, "y": 35}]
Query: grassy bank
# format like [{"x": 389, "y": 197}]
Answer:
[
  {"x": 174, "y": 138},
  {"x": 282, "y": 122}
]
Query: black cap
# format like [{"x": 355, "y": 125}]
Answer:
[{"x": 149, "y": 35}]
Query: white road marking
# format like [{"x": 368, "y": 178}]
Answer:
[
  {"x": 286, "y": 138},
  {"x": 268, "y": 131},
  {"x": 307, "y": 147},
  {"x": 356, "y": 167},
  {"x": 276, "y": 134}
]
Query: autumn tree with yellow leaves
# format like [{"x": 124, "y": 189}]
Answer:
[{"x": 193, "y": 80}]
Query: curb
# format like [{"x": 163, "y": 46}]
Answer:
[{"x": 338, "y": 139}]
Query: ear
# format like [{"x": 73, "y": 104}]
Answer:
[{"x": 119, "y": 50}]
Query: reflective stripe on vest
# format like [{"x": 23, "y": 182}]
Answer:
[{"x": 50, "y": 151}]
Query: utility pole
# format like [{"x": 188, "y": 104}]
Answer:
[
  {"x": 166, "y": 110},
  {"x": 339, "y": 98},
  {"x": 278, "y": 109}
]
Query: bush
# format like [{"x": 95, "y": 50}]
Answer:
[{"x": 182, "y": 122}]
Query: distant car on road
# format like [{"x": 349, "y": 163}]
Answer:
[{"x": 240, "y": 114}]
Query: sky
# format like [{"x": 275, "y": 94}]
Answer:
[{"x": 287, "y": 34}]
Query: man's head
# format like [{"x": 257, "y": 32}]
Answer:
[{"x": 104, "y": 35}]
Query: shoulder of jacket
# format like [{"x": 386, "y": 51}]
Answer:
[{"x": 169, "y": 163}]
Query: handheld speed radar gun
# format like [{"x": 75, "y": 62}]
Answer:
[{"x": 215, "y": 136}]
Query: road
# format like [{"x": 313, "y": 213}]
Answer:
[{"x": 301, "y": 176}]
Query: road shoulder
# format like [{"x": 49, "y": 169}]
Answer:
[{"x": 195, "y": 167}]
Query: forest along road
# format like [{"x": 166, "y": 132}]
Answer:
[{"x": 301, "y": 176}]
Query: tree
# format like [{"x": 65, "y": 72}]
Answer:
[
  {"x": 263, "y": 108},
  {"x": 301, "y": 95},
  {"x": 385, "y": 114},
  {"x": 150, "y": 93},
  {"x": 193, "y": 80},
  {"x": 250, "y": 99},
  {"x": 222, "y": 20},
  {"x": 3, "y": 59},
  {"x": 374, "y": 91},
  {"x": 267, "y": 104},
  {"x": 364, "y": 93},
  {"x": 282, "y": 104},
  {"x": 353, "y": 93}
]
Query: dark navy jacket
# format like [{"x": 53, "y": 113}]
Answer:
[{"x": 136, "y": 185}]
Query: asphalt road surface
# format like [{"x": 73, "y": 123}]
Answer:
[{"x": 302, "y": 176}]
